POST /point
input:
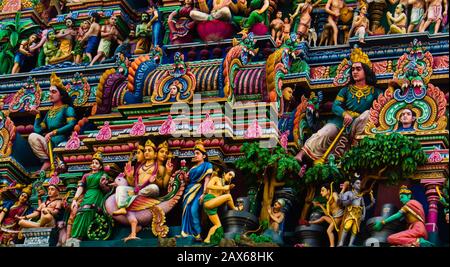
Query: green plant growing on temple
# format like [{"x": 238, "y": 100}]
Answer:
[
  {"x": 11, "y": 33},
  {"x": 392, "y": 157},
  {"x": 270, "y": 167},
  {"x": 316, "y": 176}
]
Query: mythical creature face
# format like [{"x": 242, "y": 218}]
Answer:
[{"x": 358, "y": 73}]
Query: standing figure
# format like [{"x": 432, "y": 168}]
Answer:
[
  {"x": 47, "y": 211},
  {"x": 287, "y": 23},
  {"x": 195, "y": 192},
  {"x": 58, "y": 123},
  {"x": 143, "y": 35},
  {"x": 220, "y": 11},
  {"x": 78, "y": 50},
  {"x": 23, "y": 52},
  {"x": 333, "y": 211},
  {"x": 165, "y": 165},
  {"x": 66, "y": 37},
  {"x": 361, "y": 24},
  {"x": 397, "y": 23},
  {"x": 304, "y": 11},
  {"x": 109, "y": 33},
  {"x": 333, "y": 8},
  {"x": 155, "y": 24},
  {"x": 351, "y": 107},
  {"x": 217, "y": 193},
  {"x": 355, "y": 211},
  {"x": 180, "y": 22},
  {"x": 413, "y": 212},
  {"x": 50, "y": 46},
  {"x": 276, "y": 215},
  {"x": 9, "y": 218},
  {"x": 417, "y": 14},
  {"x": 434, "y": 14},
  {"x": 93, "y": 186},
  {"x": 277, "y": 27},
  {"x": 91, "y": 36}
]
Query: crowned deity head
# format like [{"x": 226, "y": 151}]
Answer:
[
  {"x": 149, "y": 151},
  {"x": 405, "y": 194},
  {"x": 163, "y": 151}
]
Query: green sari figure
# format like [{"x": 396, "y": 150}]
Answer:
[{"x": 94, "y": 186}]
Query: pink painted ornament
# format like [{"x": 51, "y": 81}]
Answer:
[
  {"x": 214, "y": 30},
  {"x": 168, "y": 127},
  {"x": 284, "y": 139},
  {"x": 138, "y": 128},
  {"x": 105, "y": 133},
  {"x": 253, "y": 131},
  {"x": 435, "y": 157},
  {"x": 207, "y": 126},
  {"x": 74, "y": 142},
  {"x": 54, "y": 180}
]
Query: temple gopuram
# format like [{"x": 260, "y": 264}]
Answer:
[{"x": 227, "y": 123}]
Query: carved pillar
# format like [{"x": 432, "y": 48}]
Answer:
[{"x": 433, "y": 200}]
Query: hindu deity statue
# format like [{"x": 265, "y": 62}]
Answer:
[
  {"x": 217, "y": 193},
  {"x": 143, "y": 34},
  {"x": 303, "y": 22},
  {"x": 259, "y": 14},
  {"x": 397, "y": 23},
  {"x": 414, "y": 214},
  {"x": 9, "y": 217},
  {"x": 109, "y": 34},
  {"x": 351, "y": 107},
  {"x": 92, "y": 188},
  {"x": 50, "y": 47},
  {"x": 48, "y": 211},
  {"x": 165, "y": 165},
  {"x": 23, "y": 52},
  {"x": 155, "y": 24},
  {"x": 180, "y": 23},
  {"x": 355, "y": 211},
  {"x": 333, "y": 8},
  {"x": 361, "y": 24},
  {"x": 78, "y": 50},
  {"x": 333, "y": 211},
  {"x": 57, "y": 124},
  {"x": 434, "y": 14},
  {"x": 66, "y": 37},
  {"x": 220, "y": 10},
  {"x": 91, "y": 37},
  {"x": 199, "y": 176}
]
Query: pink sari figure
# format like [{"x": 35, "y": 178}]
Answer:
[
  {"x": 74, "y": 142},
  {"x": 168, "y": 127},
  {"x": 254, "y": 130},
  {"x": 138, "y": 128},
  {"x": 206, "y": 126},
  {"x": 105, "y": 133}
]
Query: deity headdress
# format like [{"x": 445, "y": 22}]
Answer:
[
  {"x": 199, "y": 146},
  {"x": 56, "y": 81},
  {"x": 344, "y": 69},
  {"x": 98, "y": 156},
  {"x": 150, "y": 144},
  {"x": 164, "y": 144},
  {"x": 27, "y": 190},
  {"x": 404, "y": 190}
]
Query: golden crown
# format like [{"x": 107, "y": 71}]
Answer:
[
  {"x": 56, "y": 81},
  {"x": 98, "y": 156},
  {"x": 27, "y": 190},
  {"x": 199, "y": 146},
  {"x": 150, "y": 144},
  {"x": 164, "y": 144},
  {"x": 358, "y": 55},
  {"x": 405, "y": 190}
]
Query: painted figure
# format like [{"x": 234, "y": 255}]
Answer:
[
  {"x": 434, "y": 14},
  {"x": 9, "y": 217},
  {"x": 417, "y": 14},
  {"x": 361, "y": 24},
  {"x": 333, "y": 8},
  {"x": 180, "y": 22},
  {"x": 397, "y": 23},
  {"x": 50, "y": 46},
  {"x": 155, "y": 24},
  {"x": 109, "y": 33},
  {"x": 276, "y": 215},
  {"x": 351, "y": 107},
  {"x": 93, "y": 187},
  {"x": 23, "y": 52},
  {"x": 217, "y": 193},
  {"x": 303, "y": 12},
  {"x": 195, "y": 192},
  {"x": 276, "y": 27},
  {"x": 66, "y": 37},
  {"x": 80, "y": 46},
  {"x": 143, "y": 34},
  {"x": 91, "y": 37},
  {"x": 165, "y": 165},
  {"x": 413, "y": 212},
  {"x": 355, "y": 211},
  {"x": 47, "y": 211},
  {"x": 220, "y": 10},
  {"x": 58, "y": 123},
  {"x": 258, "y": 15},
  {"x": 333, "y": 211}
]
